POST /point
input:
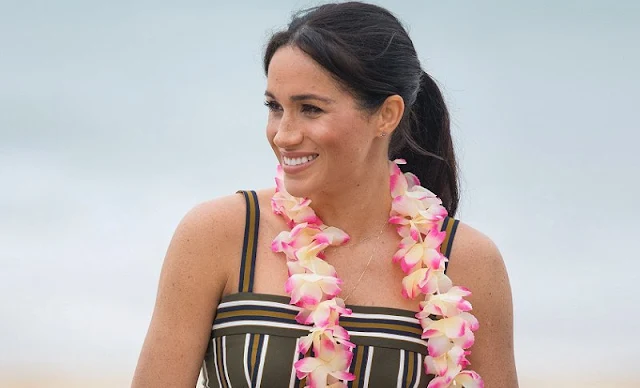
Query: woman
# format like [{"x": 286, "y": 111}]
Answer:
[{"x": 346, "y": 94}]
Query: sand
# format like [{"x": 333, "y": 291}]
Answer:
[{"x": 124, "y": 382}]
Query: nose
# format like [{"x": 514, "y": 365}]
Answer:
[{"x": 288, "y": 133}]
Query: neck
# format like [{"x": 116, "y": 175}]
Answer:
[{"x": 360, "y": 207}]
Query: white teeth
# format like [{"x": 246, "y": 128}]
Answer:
[{"x": 298, "y": 161}]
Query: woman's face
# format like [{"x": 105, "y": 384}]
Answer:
[{"x": 322, "y": 139}]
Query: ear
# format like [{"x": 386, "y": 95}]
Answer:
[{"x": 389, "y": 115}]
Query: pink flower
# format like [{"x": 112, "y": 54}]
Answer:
[
  {"x": 469, "y": 379},
  {"x": 288, "y": 241},
  {"x": 308, "y": 289},
  {"x": 409, "y": 255},
  {"x": 307, "y": 259},
  {"x": 331, "y": 359},
  {"x": 324, "y": 314},
  {"x": 425, "y": 281},
  {"x": 448, "y": 370},
  {"x": 458, "y": 328},
  {"x": 446, "y": 304}
]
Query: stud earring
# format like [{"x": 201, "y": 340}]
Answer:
[{"x": 383, "y": 134}]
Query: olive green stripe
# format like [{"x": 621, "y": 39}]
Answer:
[
  {"x": 409, "y": 365},
  {"x": 357, "y": 367},
  {"x": 401, "y": 330},
  {"x": 253, "y": 351},
  {"x": 384, "y": 364},
  {"x": 278, "y": 363},
  {"x": 446, "y": 225},
  {"x": 261, "y": 313},
  {"x": 234, "y": 351}
]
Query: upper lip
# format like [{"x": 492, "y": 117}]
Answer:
[{"x": 297, "y": 154}]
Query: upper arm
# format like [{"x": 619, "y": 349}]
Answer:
[
  {"x": 476, "y": 263},
  {"x": 192, "y": 280}
]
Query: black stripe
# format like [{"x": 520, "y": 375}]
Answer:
[
  {"x": 254, "y": 198},
  {"x": 416, "y": 365},
  {"x": 363, "y": 368},
  {"x": 445, "y": 222},
  {"x": 256, "y": 307},
  {"x": 345, "y": 320},
  {"x": 405, "y": 368},
  {"x": 256, "y": 366},
  {"x": 381, "y": 330},
  {"x": 245, "y": 242},
  {"x": 352, "y": 367},
  {"x": 450, "y": 243}
]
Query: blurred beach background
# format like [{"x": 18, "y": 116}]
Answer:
[{"x": 117, "y": 117}]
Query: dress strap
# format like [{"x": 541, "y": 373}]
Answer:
[
  {"x": 250, "y": 243},
  {"x": 450, "y": 225}
]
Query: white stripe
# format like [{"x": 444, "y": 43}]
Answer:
[
  {"x": 261, "y": 323},
  {"x": 258, "y": 303},
  {"x": 419, "y": 371},
  {"x": 215, "y": 360},
  {"x": 298, "y": 309},
  {"x": 296, "y": 356},
  {"x": 388, "y": 336},
  {"x": 383, "y": 316},
  {"x": 245, "y": 359},
  {"x": 265, "y": 344},
  {"x": 367, "y": 370},
  {"x": 400, "y": 369},
  {"x": 224, "y": 360},
  {"x": 205, "y": 374},
  {"x": 308, "y": 328}
]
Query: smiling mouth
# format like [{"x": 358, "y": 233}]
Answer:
[{"x": 298, "y": 161}]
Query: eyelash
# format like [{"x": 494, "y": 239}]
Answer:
[
  {"x": 306, "y": 108},
  {"x": 272, "y": 106}
]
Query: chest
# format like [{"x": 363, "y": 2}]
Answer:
[{"x": 369, "y": 276}]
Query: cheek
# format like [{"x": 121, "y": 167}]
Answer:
[{"x": 348, "y": 134}]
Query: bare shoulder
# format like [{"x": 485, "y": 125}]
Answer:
[
  {"x": 476, "y": 263},
  {"x": 213, "y": 220},
  {"x": 474, "y": 257},
  {"x": 207, "y": 233}
]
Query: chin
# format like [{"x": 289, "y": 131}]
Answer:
[{"x": 301, "y": 188}]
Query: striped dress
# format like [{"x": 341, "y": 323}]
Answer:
[{"x": 254, "y": 337}]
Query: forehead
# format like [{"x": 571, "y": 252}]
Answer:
[{"x": 291, "y": 71}]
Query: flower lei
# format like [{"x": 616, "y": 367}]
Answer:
[{"x": 314, "y": 286}]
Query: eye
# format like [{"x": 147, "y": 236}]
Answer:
[
  {"x": 273, "y": 106},
  {"x": 311, "y": 109}
]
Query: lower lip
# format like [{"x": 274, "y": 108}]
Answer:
[{"x": 296, "y": 169}]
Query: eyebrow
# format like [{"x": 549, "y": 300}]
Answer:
[{"x": 303, "y": 97}]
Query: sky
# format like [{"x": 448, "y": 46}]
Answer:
[{"x": 118, "y": 117}]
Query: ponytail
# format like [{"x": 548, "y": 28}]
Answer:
[{"x": 423, "y": 139}]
